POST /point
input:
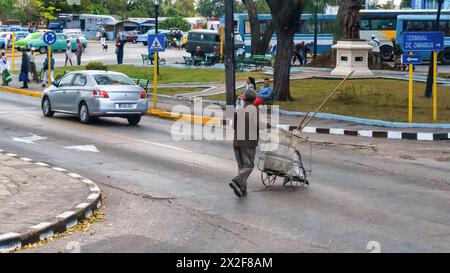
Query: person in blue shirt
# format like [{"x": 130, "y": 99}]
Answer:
[
  {"x": 264, "y": 93},
  {"x": 52, "y": 68}
]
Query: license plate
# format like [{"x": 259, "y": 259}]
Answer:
[{"x": 125, "y": 106}]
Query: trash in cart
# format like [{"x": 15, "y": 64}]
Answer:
[{"x": 284, "y": 158}]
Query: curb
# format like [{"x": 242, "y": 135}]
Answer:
[
  {"x": 58, "y": 224},
  {"x": 372, "y": 133},
  {"x": 21, "y": 91}
]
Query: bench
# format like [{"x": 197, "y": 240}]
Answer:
[
  {"x": 149, "y": 58},
  {"x": 258, "y": 61},
  {"x": 142, "y": 83},
  {"x": 188, "y": 61}
]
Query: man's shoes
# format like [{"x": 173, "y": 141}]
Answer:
[
  {"x": 236, "y": 188},
  {"x": 244, "y": 192}
]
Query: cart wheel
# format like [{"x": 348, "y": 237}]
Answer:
[{"x": 268, "y": 179}]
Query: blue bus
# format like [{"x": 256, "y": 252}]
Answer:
[
  {"x": 381, "y": 23},
  {"x": 426, "y": 23}
]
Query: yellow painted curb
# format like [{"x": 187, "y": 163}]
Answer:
[
  {"x": 188, "y": 118},
  {"x": 18, "y": 91}
]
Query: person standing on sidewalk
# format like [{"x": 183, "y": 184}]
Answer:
[
  {"x": 375, "y": 51},
  {"x": 69, "y": 53},
  {"x": 246, "y": 136},
  {"x": 52, "y": 69},
  {"x": 7, "y": 39},
  {"x": 80, "y": 50},
  {"x": 25, "y": 68},
  {"x": 120, "y": 43},
  {"x": 5, "y": 70},
  {"x": 33, "y": 67}
]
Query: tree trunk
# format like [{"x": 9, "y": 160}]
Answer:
[
  {"x": 260, "y": 41},
  {"x": 340, "y": 20},
  {"x": 282, "y": 71},
  {"x": 286, "y": 17}
]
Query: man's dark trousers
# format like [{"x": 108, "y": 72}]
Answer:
[{"x": 245, "y": 157}]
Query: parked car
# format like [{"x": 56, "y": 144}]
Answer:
[
  {"x": 143, "y": 38},
  {"x": 30, "y": 37},
  {"x": 91, "y": 93},
  {"x": 207, "y": 39},
  {"x": 59, "y": 45},
  {"x": 131, "y": 36}
]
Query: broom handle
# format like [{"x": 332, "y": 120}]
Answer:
[{"x": 300, "y": 127}]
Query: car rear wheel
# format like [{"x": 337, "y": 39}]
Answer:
[
  {"x": 43, "y": 49},
  {"x": 46, "y": 108},
  {"x": 134, "y": 120},
  {"x": 85, "y": 117}
]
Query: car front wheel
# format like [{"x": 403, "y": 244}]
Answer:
[
  {"x": 46, "y": 108},
  {"x": 85, "y": 117},
  {"x": 134, "y": 120}
]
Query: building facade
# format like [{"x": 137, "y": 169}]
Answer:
[{"x": 428, "y": 4}]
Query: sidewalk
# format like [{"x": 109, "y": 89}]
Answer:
[{"x": 38, "y": 200}]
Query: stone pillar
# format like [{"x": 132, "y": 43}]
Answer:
[{"x": 352, "y": 55}]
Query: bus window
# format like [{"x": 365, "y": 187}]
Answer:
[
  {"x": 445, "y": 27},
  {"x": 383, "y": 24},
  {"x": 418, "y": 25},
  {"x": 365, "y": 24}
]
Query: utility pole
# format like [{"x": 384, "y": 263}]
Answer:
[
  {"x": 316, "y": 28},
  {"x": 230, "y": 76},
  {"x": 429, "y": 85}
]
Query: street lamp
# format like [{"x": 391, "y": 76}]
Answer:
[{"x": 156, "y": 3}]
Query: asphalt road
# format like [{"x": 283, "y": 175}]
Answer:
[{"x": 163, "y": 195}]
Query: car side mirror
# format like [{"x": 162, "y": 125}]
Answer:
[{"x": 55, "y": 83}]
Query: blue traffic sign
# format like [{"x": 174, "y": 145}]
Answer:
[
  {"x": 412, "y": 59},
  {"x": 156, "y": 43},
  {"x": 423, "y": 41},
  {"x": 49, "y": 38}
]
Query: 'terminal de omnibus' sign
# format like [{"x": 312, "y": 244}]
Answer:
[{"x": 423, "y": 41}]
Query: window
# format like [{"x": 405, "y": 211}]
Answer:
[
  {"x": 383, "y": 24},
  {"x": 365, "y": 24},
  {"x": 80, "y": 80},
  {"x": 418, "y": 25},
  {"x": 113, "y": 79},
  {"x": 66, "y": 81},
  {"x": 247, "y": 27}
]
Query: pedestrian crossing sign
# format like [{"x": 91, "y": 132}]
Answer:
[{"x": 156, "y": 43}]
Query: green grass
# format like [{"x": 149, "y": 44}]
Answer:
[
  {"x": 374, "y": 99},
  {"x": 170, "y": 75}
]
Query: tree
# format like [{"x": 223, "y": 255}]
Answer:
[
  {"x": 340, "y": 20},
  {"x": 285, "y": 16},
  {"x": 210, "y": 8},
  {"x": 6, "y": 10},
  {"x": 186, "y": 7},
  {"x": 177, "y": 22},
  {"x": 406, "y": 4},
  {"x": 260, "y": 39}
]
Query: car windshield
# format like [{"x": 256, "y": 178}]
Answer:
[{"x": 113, "y": 79}]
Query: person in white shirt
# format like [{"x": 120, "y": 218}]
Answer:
[
  {"x": 375, "y": 43},
  {"x": 7, "y": 39}
]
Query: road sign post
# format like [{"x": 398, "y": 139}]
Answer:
[
  {"x": 410, "y": 91},
  {"x": 156, "y": 43},
  {"x": 422, "y": 42},
  {"x": 13, "y": 51},
  {"x": 435, "y": 54},
  {"x": 49, "y": 39}
]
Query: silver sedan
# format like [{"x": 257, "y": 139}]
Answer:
[{"x": 90, "y": 94}]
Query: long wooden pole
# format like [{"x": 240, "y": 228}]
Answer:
[{"x": 301, "y": 126}]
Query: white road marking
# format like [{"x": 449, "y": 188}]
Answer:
[
  {"x": 85, "y": 148},
  {"x": 30, "y": 139}
]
